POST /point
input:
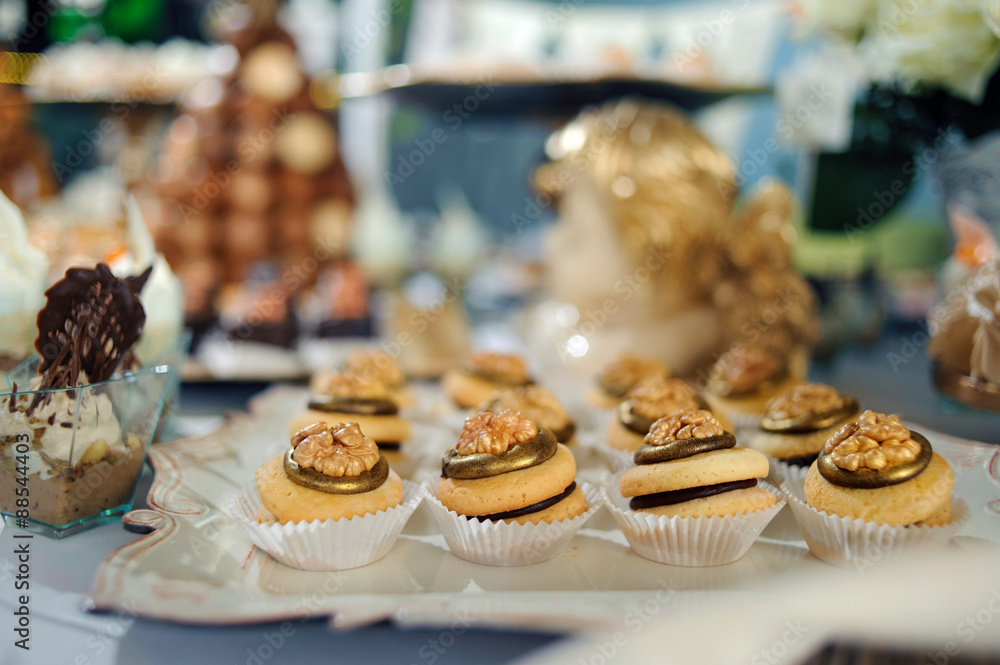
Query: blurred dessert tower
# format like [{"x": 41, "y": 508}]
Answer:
[
  {"x": 25, "y": 167},
  {"x": 253, "y": 188}
]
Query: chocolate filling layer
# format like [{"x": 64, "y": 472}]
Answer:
[
  {"x": 483, "y": 465},
  {"x": 370, "y": 480},
  {"x": 388, "y": 445},
  {"x": 527, "y": 510},
  {"x": 688, "y": 494},
  {"x": 682, "y": 448},
  {"x": 566, "y": 433},
  {"x": 361, "y": 406},
  {"x": 872, "y": 479}
]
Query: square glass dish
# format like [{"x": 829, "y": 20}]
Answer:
[{"x": 71, "y": 458}]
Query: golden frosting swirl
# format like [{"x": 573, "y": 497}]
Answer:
[
  {"x": 376, "y": 364},
  {"x": 511, "y": 368},
  {"x": 805, "y": 399},
  {"x": 494, "y": 433},
  {"x": 744, "y": 369},
  {"x": 352, "y": 384},
  {"x": 656, "y": 396},
  {"x": 538, "y": 404},
  {"x": 685, "y": 424},
  {"x": 873, "y": 441},
  {"x": 340, "y": 450},
  {"x": 621, "y": 375}
]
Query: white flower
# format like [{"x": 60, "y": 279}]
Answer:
[{"x": 938, "y": 42}]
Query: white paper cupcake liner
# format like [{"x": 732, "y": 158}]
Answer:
[
  {"x": 782, "y": 472},
  {"x": 501, "y": 544},
  {"x": 743, "y": 421},
  {"x": 618, "y": 460},
  {"x": 854, "y": 543},
  {"x": 328, "y": 544},
  {"x": 689, "y": 541}
]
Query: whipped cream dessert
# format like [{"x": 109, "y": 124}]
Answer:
[
  {"x": 23, "y": 269},
  {"x": 79, "y": 460},
  {"x": 163, "y": 294}
]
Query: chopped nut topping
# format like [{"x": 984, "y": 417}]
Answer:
[
  {"x": 656, "y": 396},
  {"x": 621, "y": 375},
  {"x": 805, "y": 399},
  {"x": 352, "y": 384},
  {"x": 495, "y": 433},
  {"x": 535, "y": 402},
  {"x": 340, "y": 450},
  {"x": 873, "y": 441},
  {"x": 376, "y": 364},
  {"x": 685, "y": 424},
  {"x": 745, "y": 368},
  {"x": 501, "y": 364}
]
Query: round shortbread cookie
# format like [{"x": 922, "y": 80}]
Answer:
[
  {"x": 393, "y": 429},
  {"x": 291, "y": 502},
  {"x": 711, "y": 468},
  {"x": 512, "y": 490},
  {"x": 755, "y": 404},
  {"x": 915, "y": 500},
  {"x": 622, "y": 438},
  {"x": 735, "y": 502},
  {"x": 787, "y": 446},
  {"x": 467, "y": 390},
  {"x": 573, "y": 505}
]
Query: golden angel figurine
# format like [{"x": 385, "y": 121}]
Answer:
[{"x": 652, "y": 255}]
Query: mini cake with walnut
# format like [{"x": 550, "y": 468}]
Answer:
[
  {"x": 689, "y": 466},
  {"x": 617, "y": 378},
  {"x": 798, "y": 423},
  {"x": 353, "y": 397},
  {"x": 651, "y": 399},
  {"x": 329, "y": 472},
  {"x": 877, "y": 470},
  {"x": 743, "y": 380},
  {"x": 506, "y": 468},
  {"x": 540, "y": 405},
  {"x": 483, "y": 374}
]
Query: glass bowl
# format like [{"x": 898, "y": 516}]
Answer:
[{"x": 75, "y": 461}]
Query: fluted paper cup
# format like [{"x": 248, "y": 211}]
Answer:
[
  {"x": 619, "y": 460},
  {"x": 855, "y": 543},
  {"x": 782, "y": 472},
  {"x": 689, "y": 541},
  {"x": 502, "y": 544},
  {"x": 328, "y": 544}
]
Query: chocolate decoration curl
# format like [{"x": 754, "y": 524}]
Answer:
[
  {"x": 527, "y": 510},
  {"x": 687, "y": 494},
  {"x": 682, "y": 448},
  {"x": 359, "y": 406},
  {"x": 483, "y": 465},
  {"x": 370, "y": 480},
  {"x": 810, "y": 422},
  {"x": 868, "y": 479}
]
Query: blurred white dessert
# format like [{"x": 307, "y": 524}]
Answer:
[
  {"x": 163, "y": 294},
  {"x": 23, "y": 268}
]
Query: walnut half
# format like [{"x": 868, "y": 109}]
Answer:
[
  {"x": 685, "y": 424},
  {"x": 656, "y": 396},
  {"x": 805, "y": 399},
  {"x": 338, "y": 450},
  {"x": 873, "y": 441},
  {"x": 495, "y": 433}
]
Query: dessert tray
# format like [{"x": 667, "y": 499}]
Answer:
[{"x": 196, "y": 565}]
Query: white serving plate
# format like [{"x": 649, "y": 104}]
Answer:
[{"x": 197, "y": 565}]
